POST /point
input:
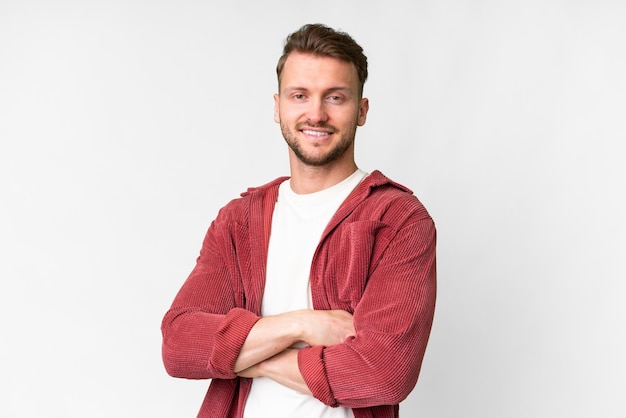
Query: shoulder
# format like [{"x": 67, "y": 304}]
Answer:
[
  {"x": 264, "y": 188},
  {"x": 238, "y": 208},
  {"x": 390, "y": 199}
]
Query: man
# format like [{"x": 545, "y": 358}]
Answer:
[{"x": 313, "y": 296}]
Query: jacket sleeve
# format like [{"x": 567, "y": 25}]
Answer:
[
  {"x": 203, "y": 331},
  {"x": 381, "y": 364}
]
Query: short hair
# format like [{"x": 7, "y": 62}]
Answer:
[{"x": 321, "y": 40}]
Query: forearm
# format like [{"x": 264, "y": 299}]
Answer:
[
  {"x": 273, "y": 334},
  {"x": 268, "y": 337},
  {"x": 281, "y": 368}
]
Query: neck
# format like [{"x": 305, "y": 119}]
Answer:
[{"x": 310, "y": 179}]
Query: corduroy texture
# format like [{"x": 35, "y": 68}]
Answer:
[{"x": 376, "y": 259}]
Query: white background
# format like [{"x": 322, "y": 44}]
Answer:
[{"x": 126, "y": 125}]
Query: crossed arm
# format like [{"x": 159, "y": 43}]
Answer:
[
  {"x": 380, "y": 366},
  {"x": 268, "y": 350}
]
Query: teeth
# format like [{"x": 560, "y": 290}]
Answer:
[{"x": 314, "y": 133}]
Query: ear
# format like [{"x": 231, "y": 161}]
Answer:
[
  {"x": 364, "y": 106},
  {"x": 276, "y": 108}
]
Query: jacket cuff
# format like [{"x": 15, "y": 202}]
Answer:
[
  {"x": 229, "y": 339},
  {"x": 311, "y": 365}
]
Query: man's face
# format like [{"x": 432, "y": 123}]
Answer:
[{"x": 319, "y": 107}]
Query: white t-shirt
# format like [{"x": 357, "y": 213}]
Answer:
[{"x": 297, "y": 226}]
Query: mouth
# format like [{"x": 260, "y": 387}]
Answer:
[{"x": 316, "y": 133}]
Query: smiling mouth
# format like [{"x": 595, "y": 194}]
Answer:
[
  {"x": 316, "y": 131},
  {"x": 317, "y": 134}
]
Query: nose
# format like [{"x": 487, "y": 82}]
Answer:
[{"x": 316, "y": 113}]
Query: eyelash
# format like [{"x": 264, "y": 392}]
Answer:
[{"x": 332, "y": 98}]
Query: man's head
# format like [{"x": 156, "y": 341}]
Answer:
[
  {"x": 319, "y": 103},
  {"x": 322, "y": 41}
]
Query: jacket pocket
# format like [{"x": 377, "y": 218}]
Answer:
[{"x": 353, "y": 254}]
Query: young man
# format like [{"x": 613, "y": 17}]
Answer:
[{"x": 313, "y": 296}]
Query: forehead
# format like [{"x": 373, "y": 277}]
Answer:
[{"x": 308, "y": 70}]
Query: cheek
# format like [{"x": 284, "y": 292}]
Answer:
[
  {"x": 287, "y": 115},
  {"x": 352, "y": 119}
]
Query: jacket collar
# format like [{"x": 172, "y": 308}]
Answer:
[
  {"x": 263, "y": 200},
  {"x": 375, "y": 179}
]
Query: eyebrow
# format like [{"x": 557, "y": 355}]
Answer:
[{"x": 342, "y": 89}]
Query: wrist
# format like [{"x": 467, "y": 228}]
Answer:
[
  {"x": 296, "y": 325},
  {"x": 278, "y": 364}
]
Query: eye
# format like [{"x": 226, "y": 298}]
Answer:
[
  {"x": 299, "y": 96},
  {"x": 335, "y": 99}
]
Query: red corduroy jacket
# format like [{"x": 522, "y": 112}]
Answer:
[{"x": 376, "y": 260}]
